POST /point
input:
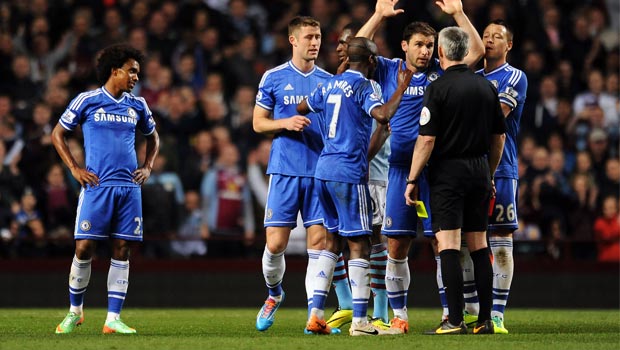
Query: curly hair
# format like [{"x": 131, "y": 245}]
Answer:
[{"x": 114, "y": 57}]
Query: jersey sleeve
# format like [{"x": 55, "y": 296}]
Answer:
[
  {"x": 371, "y": 96},
  {"x": 73, "y": 115},
  {"x": 146, "y": 123},
  {"x": 315, "y": 100},
  {"x": 514, "y": 90},
  {"x": 429, "y": 115},
  {"x": 265, "y": 97},
  {"x": 384, "y": 68}
]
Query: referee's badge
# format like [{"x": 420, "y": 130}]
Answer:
[{"x": 425, "y": 116}]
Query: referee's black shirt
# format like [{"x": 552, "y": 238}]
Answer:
[{"x": 462, "y": 110}]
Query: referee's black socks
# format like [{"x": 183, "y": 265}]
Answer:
[
  {"x": 452, "y": 276},
  {"x": 483, "y": 272}
]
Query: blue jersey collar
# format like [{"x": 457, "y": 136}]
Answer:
[{"x": 107, "y": 93}]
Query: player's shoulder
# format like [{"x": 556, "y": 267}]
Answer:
[
  {"x": 281, "y": 69},
  {"x": 136, "y": 102},
  {"x": 323, "y": 73},
  {"x": 86, "y": 97},
  {"x": 274, "y": 73},
  {"x": 515, "y": 74}
]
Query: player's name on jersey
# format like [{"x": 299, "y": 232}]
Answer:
[
  {"x": 293, "y": 99},
  {"x": 339, "y": 84},
  {"x": 415, "y": 90},
  {"x": 109, "y": 117}
]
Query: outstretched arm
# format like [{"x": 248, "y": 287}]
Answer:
[
  {"x": 383, "y": 9},
  {"x": 454, "y": 8}
]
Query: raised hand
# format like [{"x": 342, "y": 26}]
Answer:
[
  {"x": 296, "y": 123},
  {"x": 450, "y": 7},
  {"x": 386, "y": 8},
  {"x": 404, "y": 75}
]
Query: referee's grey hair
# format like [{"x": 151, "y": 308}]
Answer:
[{"x": 455, "y": 43}]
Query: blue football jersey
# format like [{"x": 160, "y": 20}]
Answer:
[
  {"x": 345, "y": 102},
  {"x": 511, "y": 84},
  {"x": 405, "y": 122},
  {"x": 109, "y": 128},
  {"x": 280, "y": 90}
]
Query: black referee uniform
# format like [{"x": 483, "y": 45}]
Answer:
[{"x": 462, "y": 111}]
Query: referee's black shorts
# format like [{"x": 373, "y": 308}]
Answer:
[{"x": 460, "y": 190}]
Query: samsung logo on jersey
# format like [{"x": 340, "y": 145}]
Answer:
[
  {"x": 293, "y": 99},
  {"x": 415, "y": 90},
  {"x": 108, "y": 117}
]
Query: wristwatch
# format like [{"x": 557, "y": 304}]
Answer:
[{"x": 412, "y": 181}]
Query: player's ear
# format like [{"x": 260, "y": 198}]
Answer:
[
  {"x": 509, "y": 45},
  {"x": 404, "y": 45}
]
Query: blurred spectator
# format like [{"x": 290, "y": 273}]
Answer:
[
  {"x": 193, "y": 230},
  {"x": 607, "y": 231},
  {"x": 596, "y": 96},
  {"x": 198, "y": 160},
  {"x": 22, "y": 89},
  {"x": 12, "y": 183},
  {"x": 581, "y": 217},
  {"x": 138, "y": 39},
  {"x": 162, "y": 198},
  {"x": 598, "y": 147},
  {"x": 539, "y": 118},
  {"x": 30, "y": 228},
  {"x": 227, "y": 203},
  {"x": 556, "y": 144},
  {"x": 187, "y": 72},
  {"x": 85, "y": 47},
  {"x": 58, "y": 204},
  {"x": 38, "y": 152},
  {"x": 568, "y": 83},
  {"x": 258, "y": 180},
  {"x": 161, "y": 38},
  {"x": 610, "y": 184}
]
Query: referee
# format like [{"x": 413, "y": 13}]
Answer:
[{"x": 461, "y": 138}]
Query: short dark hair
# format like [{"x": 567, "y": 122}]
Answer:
[
  {"x": 418, "y": 28},
  {"x": 115, "y": 56},
  {"x": 360, "y": 49},
  {"x": 302, "y": 21},
  {"x": 501, "y": 22}
]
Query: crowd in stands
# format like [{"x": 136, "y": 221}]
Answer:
[{"x": 205, "y": 59}]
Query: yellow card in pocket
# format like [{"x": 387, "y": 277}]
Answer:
[{"x": 420, "y": 208}]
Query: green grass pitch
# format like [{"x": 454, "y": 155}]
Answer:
[{"x": 234, "y": 329}]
